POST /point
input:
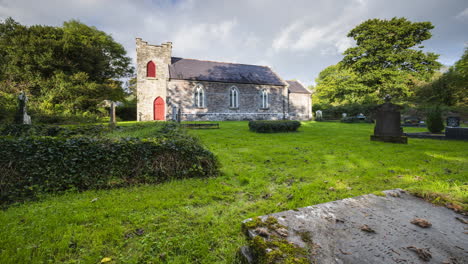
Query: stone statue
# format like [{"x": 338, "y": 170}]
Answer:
[
  {"x": 388, "y": 123},
  {"x": 22, "y": 116},
  {"x": 318, "y": 115}
]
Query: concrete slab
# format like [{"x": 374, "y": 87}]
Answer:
[{"x": 371, "y": 229}]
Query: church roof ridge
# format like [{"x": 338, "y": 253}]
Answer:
[
  {"x": 206, "y": 70},
  {"x": 236, "y": 63}
]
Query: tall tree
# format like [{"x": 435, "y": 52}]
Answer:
[
  {"x": 449, "y": 88},
  {"x": 387, "y": 56},
  {"x": 62, "y": 69},
  {"x": 338, "y": 85}
]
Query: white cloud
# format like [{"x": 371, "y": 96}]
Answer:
[
  {"x": 463, "y": 14},
  {"x": 297, "y": 40}
]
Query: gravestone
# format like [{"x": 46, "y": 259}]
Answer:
[
  {"x": 112, "y": 113},
  {"x": 22, "y": 116},
  {"x": 453, "y": 121},
  {"x": 388, "y": 123},
  {"x": 392, "y": 227},
  {"x": 318, "y": 115},
  {"x": 411, "y": 121}
]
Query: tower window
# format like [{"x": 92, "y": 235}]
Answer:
[{"x": 151, "y": 69}]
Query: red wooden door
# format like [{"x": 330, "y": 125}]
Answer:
[{"x": 159, "y": 109}]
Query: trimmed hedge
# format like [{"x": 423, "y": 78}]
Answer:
[
  {"x": 19, "y": 130},
  {"x": 274, "y": 126},
  {"x": 33, "y": 165}
]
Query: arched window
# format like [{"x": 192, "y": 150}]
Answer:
[
  {"x": 199, "y": 96},
  {"x": 151, "y": 69},
  {"x": 264, "y": 98},
  {"x": 233, "y": 97}
]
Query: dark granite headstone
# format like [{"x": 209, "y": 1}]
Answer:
[
  {"x": 453, "y": 121},
  {"x": 456, "y": 133},
  {"x": 388, "y": 123}
]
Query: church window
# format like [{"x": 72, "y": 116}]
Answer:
[
  {"x": 151, "y": 69},
  {"x": 264, "y": 98},
  {"x": 199, "y": 96},
  {"x": 233, "y": 97}
]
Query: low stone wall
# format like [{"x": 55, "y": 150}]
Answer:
[{"x": 231, "y": 116}]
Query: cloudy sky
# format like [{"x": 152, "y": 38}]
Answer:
[{"x": 297, "y": 38}]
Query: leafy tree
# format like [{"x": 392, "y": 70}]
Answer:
[
  {"x": 449, "y": 88},
  {"x": 64, "y": 70},
  {"x": 338, "y": 85},
  {"x": 386, "y": 58}
]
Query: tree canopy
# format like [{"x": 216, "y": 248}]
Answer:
[
  {"x": 449, "y": 88},
  {"x": 388, "y": 58},
  {"x": 336, "y": 84},
  {"x": 65, "y": 69}
]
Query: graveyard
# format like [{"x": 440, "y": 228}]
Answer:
[
  {"x": 199, "y": 220},
  {"x": 245, "y": 132}
]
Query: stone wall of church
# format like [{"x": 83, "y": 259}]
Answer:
[
  {"x": 181, "y": 94},
  {"x": 149, "y": 88},
  {"x": 300, "y": 106}
]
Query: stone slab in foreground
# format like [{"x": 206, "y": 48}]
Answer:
[{"x": 363, "y": 229}]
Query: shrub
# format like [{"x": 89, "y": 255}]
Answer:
[
  {"x": 435, "y": 123},
  {"x": 274, "y": 126},
  {"x": 33, "y": 165}
]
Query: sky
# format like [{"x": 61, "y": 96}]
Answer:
[{"x": 296, "y": 38}]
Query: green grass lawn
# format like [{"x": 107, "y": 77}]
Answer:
[{"x": 198, "y": 220}]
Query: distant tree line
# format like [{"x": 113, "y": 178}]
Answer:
[
  {"x": 66, "y": 71},
  {"x": 388, "y": 59}
]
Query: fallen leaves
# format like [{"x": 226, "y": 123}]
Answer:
[
  {"x": 421, "y": 222},
  {"x": 367, "y": 229},
  {"x": 423, "y": 253}
]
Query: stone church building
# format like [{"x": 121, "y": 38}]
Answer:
[{"x": 201, "y": 90}]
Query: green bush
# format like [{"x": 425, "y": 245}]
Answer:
[
  {"x": 33, "y": 165},
  {"x": 274, "y": 126},
  {"x": 435, "y": 123}
]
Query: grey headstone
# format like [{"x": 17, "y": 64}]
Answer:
[
  {"x": 341, "y": 231},
  {"x": 22, "y": 116},
  {"x": 112, "y": 113}
]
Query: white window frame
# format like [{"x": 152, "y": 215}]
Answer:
[
  {"x": 233, "y": 97},
  {"x": 199, "y": 98},
  {"x": 264, "y": 99}
]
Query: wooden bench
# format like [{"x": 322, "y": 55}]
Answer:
[{"x": 201, "y": 126}]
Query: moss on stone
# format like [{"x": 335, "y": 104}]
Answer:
[
  {"x": 379, "y": 193},
  {"x": 275, "y": 249},
  {"x": 442, "y": 200}
]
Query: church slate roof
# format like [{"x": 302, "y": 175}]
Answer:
[
  {"x": 211, "y": 71},
  {"x": 297, "y": 87}
]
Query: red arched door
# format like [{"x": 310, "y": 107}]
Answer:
[{"x": 159, "y": 109}]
